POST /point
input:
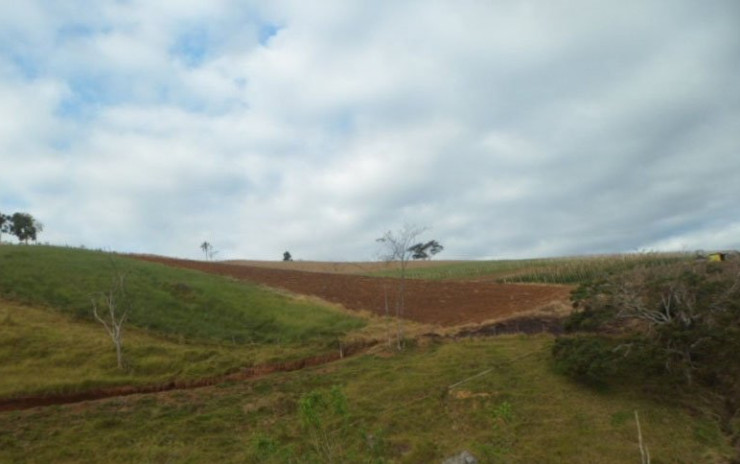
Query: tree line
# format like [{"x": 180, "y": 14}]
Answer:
[{"x": 21, "y": 225}]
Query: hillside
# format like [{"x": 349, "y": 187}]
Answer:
[
  {"x": 223, "y": 370},
  {"x": 182, "y": 325},
  {"x": 445, "y": 303},
  {"x": 496, "y": 398},
  {"x": 167, "y": 301}
]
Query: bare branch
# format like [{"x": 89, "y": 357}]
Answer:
[
  {"x": 118, "y": 309},
  {"x": 396, "y": 247}
]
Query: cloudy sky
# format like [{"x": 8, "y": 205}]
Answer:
[{"x": 510, "y": 128}]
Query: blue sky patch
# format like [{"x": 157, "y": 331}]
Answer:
[
  {"x": 28, "y": 67},
  {"x": 88, "y": 93},
  {"x": 192, "y": 47},
  {"x": 76, "y": 30},
  {"x": 266, "y": 32}
]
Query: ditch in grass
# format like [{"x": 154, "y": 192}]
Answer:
[
  {"x": 183, "y": 325},
  {"x": 43, "y": 353},
  {"x": 506, "y": 405}
]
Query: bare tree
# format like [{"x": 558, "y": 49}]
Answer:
[
  {"x": 115, "y": 307},
  {"x": 396, "y": 247},
  {"x": 208, "y": 250}
]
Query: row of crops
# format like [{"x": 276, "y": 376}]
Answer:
[{"x": 569, "y": 270}]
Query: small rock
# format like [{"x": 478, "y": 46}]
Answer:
[{"x": 463, "y": 458}]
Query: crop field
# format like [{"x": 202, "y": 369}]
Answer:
[
  {"x": 330, "y": 267},
  {"x": 569, "y": 270},
  {"x": 242, "y": 363},
  {"x": 565, "y": 270},
  {"x": 444, "y": 303}
]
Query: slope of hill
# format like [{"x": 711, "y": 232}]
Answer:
[
  {"x": 445, "y": 303},
  {"x": 497, "y": 397},
  {"x": 174, "y": 302},
  {"x": 183, "y": 325}
]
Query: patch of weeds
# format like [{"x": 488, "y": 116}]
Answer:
[
  {"x": 324, "y": 416},
  {"x": 707, "y": 433},
  {"x": 8, "y": 321},
  {"x": 503, "y": 436},
  {"x": 266, "y": 449},
  {"x": 107, "y": 423},
  {"x": 620, "y": 417},
  {"x": 504, "y": 412},
  {"x": 426, "y": 451},
  {"x": 376, "y": 446}
]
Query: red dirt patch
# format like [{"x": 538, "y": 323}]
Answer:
[
  {"x": 330, "y": 267},
  {"x": 442, "y": 302}
]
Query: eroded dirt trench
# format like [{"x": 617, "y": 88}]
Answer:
[
  {"x": 442, "y": 302},
  {"x": 527, "y": 325},
  {"x": 248, "y": 373}
]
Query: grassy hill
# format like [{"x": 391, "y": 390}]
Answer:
[
  {"x": 498, "y": 397},
  {"x": 168, "y": 301},
  {"x": 183, "y": 325}
]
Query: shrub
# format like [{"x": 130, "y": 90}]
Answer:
[
  {"x": 589, "y": 359},
  {"x": 681, "y": 321}
]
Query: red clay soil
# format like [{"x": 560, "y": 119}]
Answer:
[{"x": 443, "y": 302}]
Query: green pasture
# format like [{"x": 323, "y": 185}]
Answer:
[
  {"x": 183, "y": 325},
  {"x": 173, "y": 302},
  {"x": 43, "y": 352},
  {"x": 497, "y": 398}
]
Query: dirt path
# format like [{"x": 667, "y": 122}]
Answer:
[{"x": 447, "y": 303}]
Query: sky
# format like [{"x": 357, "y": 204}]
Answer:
[{"x": 510, "y": 129}]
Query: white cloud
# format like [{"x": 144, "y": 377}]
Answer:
[{"x": 511, "y": 128}]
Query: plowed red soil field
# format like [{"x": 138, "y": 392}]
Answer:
[{"x": 442, "y": 302}]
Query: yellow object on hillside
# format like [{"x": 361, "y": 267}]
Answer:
[{"x": 716, "y": 257}]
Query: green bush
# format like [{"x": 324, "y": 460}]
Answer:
[
  {"x": 679, "y": 323},
  {"x": 590, "y": 359}
]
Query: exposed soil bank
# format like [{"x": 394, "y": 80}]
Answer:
[
  {"x": 519, "y": 325},
  {"x": 446, "y": 303}
]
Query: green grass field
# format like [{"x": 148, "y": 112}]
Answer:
[
  {"x": 43, "y": 352},
  {"x": 183, "y": 325},
  {"x": 175, "y": 302},
  {"x": 397, "y": 409}
]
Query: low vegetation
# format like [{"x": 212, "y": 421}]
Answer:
[
  {"x": 182, "y": 325},
  {"x": 675, "y": 329},
  {"x": 657, "y": 339},
  {"x": 47, "y": 353},
  {"x": 499, "y": 399},
  {"x": 174, "y": 302}
]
